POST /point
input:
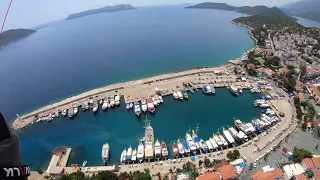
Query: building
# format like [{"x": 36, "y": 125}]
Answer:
[
  {"x": 316, "y": 162},
  {"x": 314, "y": 91},
  {"x": 301, "y": 97},
  {"x": 307, "y": 164},
  {"x": 300, "y": 177},
  {"x": 209, "y": 176},
  {"x": 311, "y": 73},
  {"x": 227, "y": 172},
  {"x": 275, "y": 174},
  {"x": 299, "y": 86}
]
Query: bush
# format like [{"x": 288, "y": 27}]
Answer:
[
  {"x": 304, "y": 126},
  {"x": 233, "y": 155}
]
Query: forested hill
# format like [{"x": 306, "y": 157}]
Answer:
[
  {"x": 121, "y": 7},
  {"x": 14, "y": 35},
  {"x": 258, "y": 15}
]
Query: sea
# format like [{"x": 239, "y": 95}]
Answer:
[{"x": 68, "y": 57}]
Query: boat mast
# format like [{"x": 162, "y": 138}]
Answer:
[{"x": 197, "y": 128}]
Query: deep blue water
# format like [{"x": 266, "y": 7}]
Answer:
[
  {"x": 308, "y": 23},
  {"x": 120, "y": 128},
  {"x": 70, "y": 57}
]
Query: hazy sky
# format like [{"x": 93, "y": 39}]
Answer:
[{"x": 29, "y": 13}]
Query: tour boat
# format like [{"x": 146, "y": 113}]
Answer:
[
  {"x": 164, "y": 150},
  {"x": 234, "y": 90},
  {"x": 75, "y": 110},
  {"x": 180, "y": 147},
  {"x": 150, "y": 105},
  {"x": 191, "y": 143},
  {"x": 185, "y": 94},
  {"x": 111, "y": 99},
  {"x": 228, "y": 136},
  {"x": 64, "y": 112},
  {"x": 127, "y": 105},
  {"x": 225, "y": 143},
  {"x": 175, "y": 150},
  {"x": 140, "y": 154},
  {"x": 95, "y": 106},
  {"x": 117, "y": 100},
  {"x": 205, "y": 90},
  {"x": 186, "y": 147},
  {"x": 234, "y": 134},
  {"x": 203, "y": 145},
  {"x": 213, "y": 143},
  {"x": 160, "y": 98},
  {"x": 131, "y": 105},
  {"x": 129, "y": 154},
  {"x": 196, "y": 139},
  {"x": 209, "y": 89},
  {"x": 217, "y": 139},
  {"x": 213, "y": 89},
  {"x": 155, "y": 102},
  {"x": 70, "y": 112},
  {"x": 210, "y": 146},
  {"x": 157, "y": 149},
  {"x": 123, "y": 156},
  {"x": 105, "y": 104},
  {"x": 134, "y": 155}
]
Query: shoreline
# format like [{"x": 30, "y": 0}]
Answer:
[{"x": 77, "y": 100}]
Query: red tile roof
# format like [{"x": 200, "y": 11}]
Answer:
[
  {"x": 308, "y": 162},
  {"x": 298, "y": 82},
  {"x": 301, "y": 177},
  {"x": 316, "y": 161},
  {"x": 209, "y": 176},
  {"x": 270, "y": 175},
  {"x": 227, "y": 171}
]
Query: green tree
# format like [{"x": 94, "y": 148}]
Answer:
[
  {"x": 137, "y": 175},
  {"x": 74, "y": 176},
  {"x": 233, "y": 155},
  {"x": 289, "y": 84},
  {"x": 200, "y": 162},
  {"x": 303, "y": 104},
  {"x": 311, "y": 111},
  {"x": 40, "y": 171},
  {"x": 146, "y": 170},
  {"x": 300, "y": 154},
  {"x": 106, "y": 175},
  {"x": 207, "y": 162},
  {"x": 124, "y": 176},
  {"x": 304, "y": 126}
]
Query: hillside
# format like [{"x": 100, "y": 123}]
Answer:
[
  {"x": 309, "y": 9},
  {"x": 259, "y": 15},
  {"x": 14, "y": 35},
  {"x": 121, "y": 7}
]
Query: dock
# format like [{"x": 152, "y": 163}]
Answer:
[
  {"x": 59, "y": 160},
  {"x": 221, "y": 76}
]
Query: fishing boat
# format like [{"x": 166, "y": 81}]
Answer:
[
  {"x": 64, "y": 112},
  {"x": 256, "y": 126},
  {"x": 210, "y": 146},
  {"x": 111, "y": 99},
  {"x": 186, "y": 147},
  {"x": 134, "y": 155},
  {"x": 127, "y": 105},
  {"x": 149, "y": 142},
  {"x": 117, "y": 100},
  {"x": 157, "y": 149},
  {"x": 180, "y": 147},
  {"x": 129, "y": 154},
  {"x": 213, "y": 89},
  {"x": 175, "y": 95},
  {"x": 155, "y": 102},
  {"x": 137, "y": 108},
  {"x": 75, "y": 110},
  {"x": 70, "y": 112},
  {"x": 228, "y": 136},
  {"x": 95, "y": 106},
  {"x": 83, "y": 106},
  {"x": 192, "y": 91},
  {"x": 105, "y": 104},
  {"x": 144, "y": 105},
  {"x": 140, "y": 154},
  {"x": 217, "y": 139},
  {"x": 185, "y": 94},
  {"x": 191, "y": 143},
  {"x": 250, "y": 127},
  {"x": 205, "y": 90},
  {"x": 123, "y": 156},
  {"x": 131, "y": 105},
  {"x": 225, "y": 143},
  {"x": 164, "y": 150},
  {"x": 105, "y": 153},
  {"x": 84, "y": 163},
  {"x": 91, "y": 104},
  {"x": 264, "y": 105},
  {"x": 175, "y": 150},
  {"x": 87, "y": 106},
  {"x": 180, "y": 95},
  {"x": 234, "y": 133},
  {"x": 214, "y": 143},
  {"x": 161, "y": 99},
  {"x": 234, "y": 90},
  {"x": 240, "y": 90},
  {"x": 150, "y": 105}
]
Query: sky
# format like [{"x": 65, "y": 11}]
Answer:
[{"x": 30, "y": 13}]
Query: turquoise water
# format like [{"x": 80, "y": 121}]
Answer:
[
  {"x": 70, "y": 57},
  {"x": 120, "y": 128}
]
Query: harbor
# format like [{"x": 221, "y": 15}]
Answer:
[{"x": 140, "y": 90}]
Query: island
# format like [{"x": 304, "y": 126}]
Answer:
[
  {"x": 304, "y": 9},
  {"x": 121, "y": 7},
  {"x": 13, "y": 35}
]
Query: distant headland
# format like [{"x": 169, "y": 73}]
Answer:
[
  {"x": 13, "y": 35},
  {"x": 121, "y": 7}
]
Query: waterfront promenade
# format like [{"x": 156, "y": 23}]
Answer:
[{"x": 135, "y": 90}]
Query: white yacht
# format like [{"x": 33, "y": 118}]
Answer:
[
  {"x": 137, "y": 109},
  {"x": 111, "y": 98},
  {"x": 180, "y": 95},
  {"x": 213, "y": 143},
  {"x": 225, "y": 143},
  {"x": 105, "y": 104},
  {"x": 140, "y": 153},
  {"x": 155, "y": 102},
  {"x": 157, "y": 149},
  {"x": 75, "y": 110},
  {"x": 95, "y": 106},
  {"x": 123, "y": 156},
  {"x": 129, "y": 154},
  {"x": 210, "y": 146},
  {"x": 161, "y": 99},
  {"x": 105, "y": 153},
  {"x": 64, "y": 112},
  {"x": 217, "y": 139},
  {"x": 70, "y": 112},
  {"x": 175, "y": 95},
  {"x": 144, "y": 105},
  {"x": 117, "y": 100},
  {"x": 134, "y": 155},
  {"x": 158, "y": 100},
  {"x": 191, "y": 143},
  {"x": 234, "y": 90}
]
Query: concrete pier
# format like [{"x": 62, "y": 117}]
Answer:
[{"x": 139, "y": 89}]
